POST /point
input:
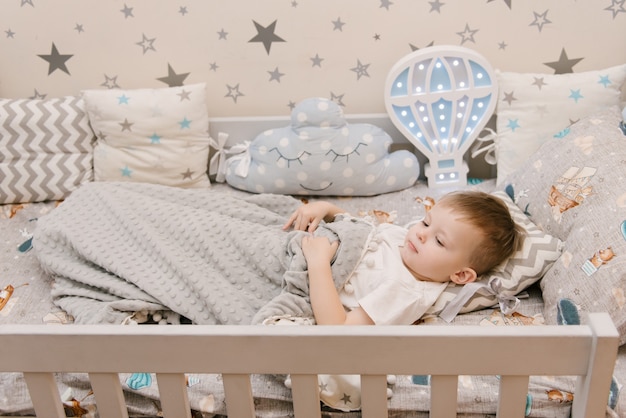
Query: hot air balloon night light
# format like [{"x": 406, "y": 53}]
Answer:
[{"x": 440, "y": 98}]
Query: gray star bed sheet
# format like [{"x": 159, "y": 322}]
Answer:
[{"x": 116, "y": 251}]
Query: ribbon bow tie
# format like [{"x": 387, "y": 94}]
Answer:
[{"x": 508, "y": 303}]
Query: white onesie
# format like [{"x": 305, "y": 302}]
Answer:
[{"x": 384, "y": 287}]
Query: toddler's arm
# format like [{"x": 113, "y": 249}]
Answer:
[{"x": 325, "y": 301}]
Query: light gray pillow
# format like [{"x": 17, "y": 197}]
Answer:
[
  {"x": 320, "y": 153},
  {"x": 574, "y": 187}
]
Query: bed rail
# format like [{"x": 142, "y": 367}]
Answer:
[{"x": 444, "y": 352}]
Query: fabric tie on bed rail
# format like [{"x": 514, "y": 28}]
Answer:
[{"x": 212, "y": 257}]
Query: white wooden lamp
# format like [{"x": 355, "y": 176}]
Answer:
[{"x": 440, "y": 98}]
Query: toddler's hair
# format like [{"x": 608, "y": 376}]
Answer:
[{"x": 501, "y": 235}]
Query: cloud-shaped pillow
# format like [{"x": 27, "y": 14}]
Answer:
[{"x": 321, "y": 154}]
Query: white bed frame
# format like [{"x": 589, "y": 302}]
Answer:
[{"x": 514, "y": 353}]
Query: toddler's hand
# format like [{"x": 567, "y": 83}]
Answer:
[
  {"x": 308, "y": 217},
  {"x": 318, "y": 250}
]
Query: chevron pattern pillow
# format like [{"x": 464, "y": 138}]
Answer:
[
  {"x": 46, "y": 149},
  {"x": 526, "y": 266}
]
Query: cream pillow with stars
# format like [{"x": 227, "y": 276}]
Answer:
[{"x": 151, "y": 135}]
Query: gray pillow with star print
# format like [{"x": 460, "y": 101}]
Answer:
[{"x": 157, "y": 136}]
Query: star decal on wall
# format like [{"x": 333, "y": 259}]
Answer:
[
  {"x": 467, "y": 34},
  {"x": 275, "y": 75},
  {"x": 146, "y": 43},
  {"x": 385, "y": 4},
  {"x": 317, "y": 61},
  {"x": 222, "y": 34},
  {"x": 10, "y": 33},
  {"x": 616, "y": 7},
  {"x": 266, "y": 35},
  {"x": 56, "y": 61},
  {"x": 435, "y": 6},
  {"x": 37, "y": 95},
  {"x": 172, "y": 79},
  {"x": 337, "y": 98},
  {"x": 360, "y": 70},
  {"x": 415, "y": 47},
  {"x": 233, "y": 91},
  {"x": 27, "y": 2},
  {"x": 110, "y": 82},
  {"x": 507, "y": 2},
  {"x": 564, "y": 65},
  {"x": 338, "y": 24},
  {"x": 540, "y": 20},
  {"x": 127, "y": 11}
]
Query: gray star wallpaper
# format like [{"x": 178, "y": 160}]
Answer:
[{"x": 262, "y": 57}]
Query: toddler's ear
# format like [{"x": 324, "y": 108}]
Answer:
[{"x": 464, "y": 276}]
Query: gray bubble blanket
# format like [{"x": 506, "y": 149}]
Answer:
[{"x": 115, "y": 249}]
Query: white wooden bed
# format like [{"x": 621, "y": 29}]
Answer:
[
  {"x": 560, "y": 368},
  {"x": 588, "y": 352}
]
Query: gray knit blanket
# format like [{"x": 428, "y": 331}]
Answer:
[{"x": 115, "y": 249}]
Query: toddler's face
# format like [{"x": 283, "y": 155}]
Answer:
[{"x": 440, "y": 245}]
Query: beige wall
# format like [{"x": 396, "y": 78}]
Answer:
[{"x": 129, "y": 44}]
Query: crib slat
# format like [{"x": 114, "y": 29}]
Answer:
[
  {"x": 591, "y": 388},
  {"x": 443, "y": 396},
  {"x": 374, "y": 396},
  {"x": 512, "y": 398},
  {"x": 44, "y": 394},
  {"x": 173, "y": 395},
  {"x": 306, "y": 398},
  {"x": 238, "y": 393},
  {"x": 109, "y": 395}
]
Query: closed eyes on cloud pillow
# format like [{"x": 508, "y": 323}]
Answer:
[{"x": 319, "y": 153}]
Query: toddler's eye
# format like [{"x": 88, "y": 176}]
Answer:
[
  {"x": 425, "y": 223},
  {"x": 439, "y": 242}
]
